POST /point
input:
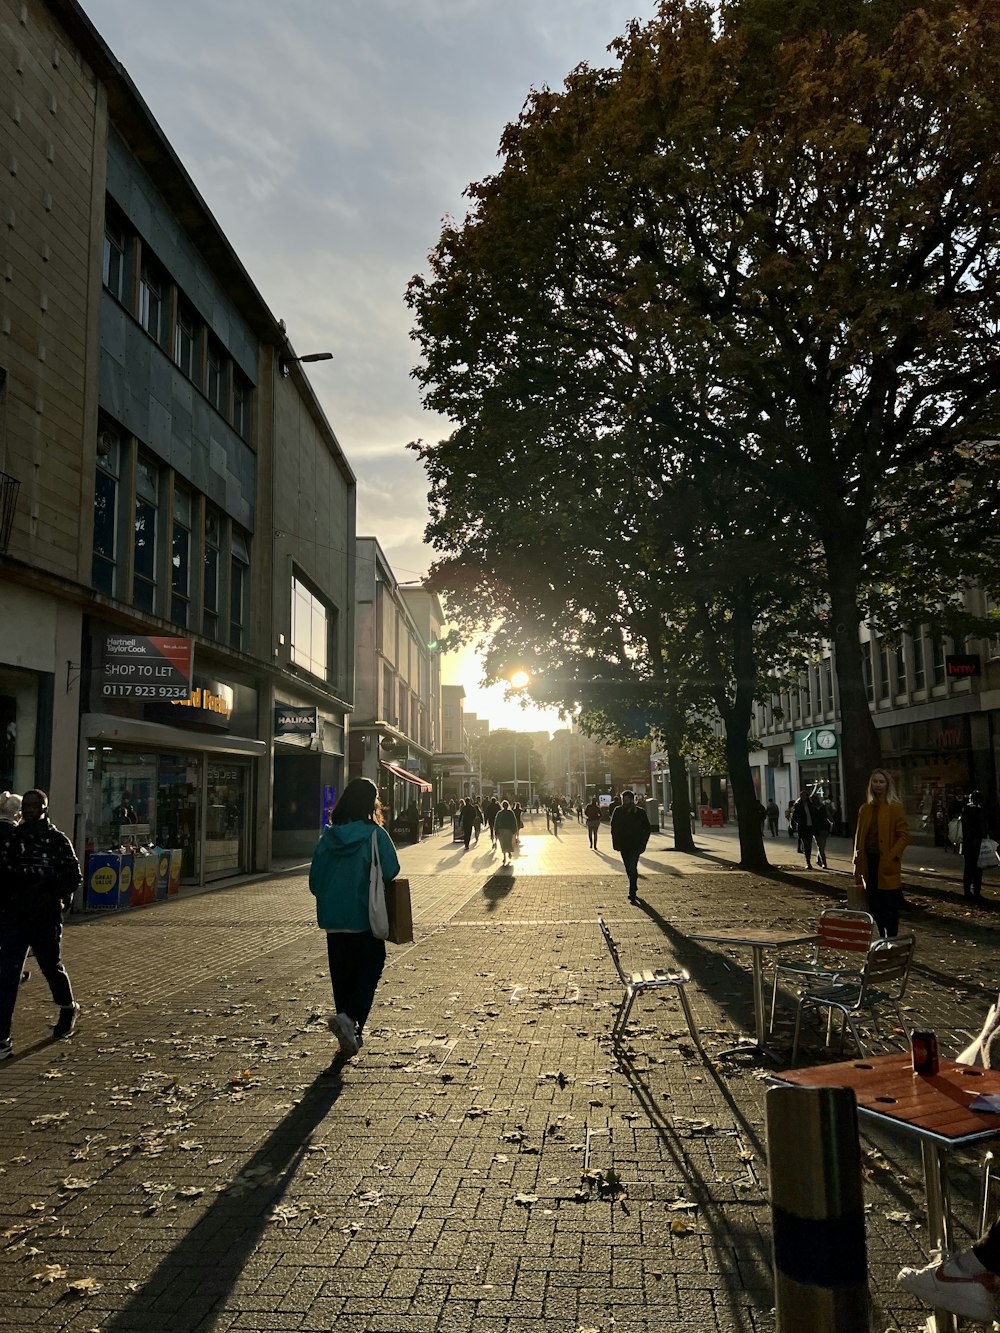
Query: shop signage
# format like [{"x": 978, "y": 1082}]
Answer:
[
  {"x": 136, "y": 666},
  {"x": 816, "y": 743},
  {"x": 961, "y": 665},
  {"x": 290, "y": 720},
  {"x": 209, "y": 704}
]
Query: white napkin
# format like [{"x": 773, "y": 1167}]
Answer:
[{"x": 989, "y": 1102}]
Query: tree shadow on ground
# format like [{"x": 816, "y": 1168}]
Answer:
[{"x": 194, "y": 1279}]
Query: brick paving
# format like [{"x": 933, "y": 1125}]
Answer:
[{"x": 187, "y": 1152}]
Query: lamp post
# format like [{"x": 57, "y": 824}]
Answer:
[{"x": 285, "y": 363}]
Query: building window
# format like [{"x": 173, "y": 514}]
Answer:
[
  {"x": 827, "y": 684},
  {"x": 242, "y": 398},
  {"x": 900, "y": 669},
  {"x": 186, "y": 342},
  {"x": 180, "y": 559},
  {"x": 238, "y": 586},
  {"x": 113, "y": 260},
  {"x": 919, "y": 671},
  {"x": 153, "y": 302},
  {"x": 210, "y": 583},
  {"x": 312, "y": 630},
  {"x": 104, "y": 560},
  {"x": 215, "y": 385},
  {"x": 144, "y": 540},
  {"x": 939, "y": 673},
  {"x": 883, "y": 672},
  {"x": 867, "y": 667}
]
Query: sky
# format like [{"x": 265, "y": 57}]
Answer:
[{"x": 330, "y": 138}]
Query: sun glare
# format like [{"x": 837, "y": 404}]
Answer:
[{"x": 519, "y": 679}]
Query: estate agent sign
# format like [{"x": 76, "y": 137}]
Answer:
[{"x": 137, "y": 666}]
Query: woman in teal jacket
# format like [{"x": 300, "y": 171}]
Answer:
[{"x": 338, "y": 879}]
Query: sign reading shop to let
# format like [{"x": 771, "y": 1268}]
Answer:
[{"x": 137, "y": 666}]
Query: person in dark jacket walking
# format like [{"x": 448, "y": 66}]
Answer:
[
  {"x": 629, "y": 835},
  {"x": 467, "y": 816},
  {"x": 39, "y": 875},
  {"x": 974, "y": 830}
]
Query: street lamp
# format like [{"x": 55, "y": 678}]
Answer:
[{"x": 285, "y": 363}]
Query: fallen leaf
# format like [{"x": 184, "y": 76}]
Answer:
[
  {"x": 50, "y": 1273},
  {"x": 83, "y": 1286}
]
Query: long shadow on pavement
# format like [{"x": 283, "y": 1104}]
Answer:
[{"x": 193, "y": 1280}]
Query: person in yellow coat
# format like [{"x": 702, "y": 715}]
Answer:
[{"x": 881, "y": 837}]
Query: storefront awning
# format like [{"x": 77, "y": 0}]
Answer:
[{"x": 406, "y": 775}]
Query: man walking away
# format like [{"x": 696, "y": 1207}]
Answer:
[
  {"x": 629, "y": 835},
  {"x": 772, "y": 817},
  {"x": 38, "y": 878}
]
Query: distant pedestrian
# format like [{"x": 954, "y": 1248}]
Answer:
[
  {"x": 339, "y": 880},
  {"x": 974, "y": 830},
  {"x": 593, "y": 815},
  {"x": 821, "y": 829},
  {"x": 519, "y": 816},
  {"x": 467, "y": 818},
  {"x": 773, "y": 815},
  {"x": 506, "y": 830},
  {"x": 879, "y": 842},
  {"x": 803, "y": 822},
  {"x": 39, "y": 877},
  {"x": 629, "y": 835}
]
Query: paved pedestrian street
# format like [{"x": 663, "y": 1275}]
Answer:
[{"x": 486, "y": 1165}]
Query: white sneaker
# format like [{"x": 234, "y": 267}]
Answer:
[
  {"x": 951, "y": 1286},
  {"x": 344, "y": 1029}
]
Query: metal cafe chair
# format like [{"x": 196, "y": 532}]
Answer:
[
  {"x": 637, "y": 983},
  {"x": 882, "y": 982},
  {"x": 840, "y": 932}
]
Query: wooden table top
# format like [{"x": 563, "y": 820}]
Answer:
[
  {"x": 934, "y": 1107},
  {"x": 753, "y": 936}
]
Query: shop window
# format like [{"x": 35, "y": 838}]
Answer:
[
  {"x": 104, "y": 557},
  {"x": 919, "y": 670},
  {"x": 210, "y": 575},
  {"x": 216, "y": 378},
  {"x": 242, "y": 399},
  {"x": 153, "y": 301},
  {"x": 238, "y": 588},
  {"x": 145, "y": 535},
  {"x": 186, "y": 342},
  {"x": 114, "y": 260},
  {"x": 180, "y": 559},
  {"x": 312, "y": 630}
]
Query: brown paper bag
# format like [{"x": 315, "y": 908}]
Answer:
[{"x": 397, "y": 902}]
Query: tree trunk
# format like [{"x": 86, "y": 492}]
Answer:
[
  {"x": 738, "y": 718},
  {"x": 861, "y": 747},
  {"x": 680, "y": 800}
]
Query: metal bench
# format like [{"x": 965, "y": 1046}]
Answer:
[{"x": 649, "y": 979}]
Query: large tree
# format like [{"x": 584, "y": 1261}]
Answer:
[{"x": 766, "y": 239}]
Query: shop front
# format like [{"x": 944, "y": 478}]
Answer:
[
  {"x": 175, "y": 770},
  {"x": 817, "y": 753},
  {"x": 308, "y": 774},
  {"x": 931, "y": 763}
]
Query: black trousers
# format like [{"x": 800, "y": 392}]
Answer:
[
  {"x": 356, "y": 962},
  {"x": 45, "y": 938},
  {"x": 882, "y": 903}
]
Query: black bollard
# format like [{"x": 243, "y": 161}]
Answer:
[{"x": 817, "y": 1210}]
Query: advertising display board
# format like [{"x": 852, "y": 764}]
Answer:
[{"x": 144, "y": 667}]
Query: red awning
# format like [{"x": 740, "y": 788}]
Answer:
[{"x": 406, "y": 775}]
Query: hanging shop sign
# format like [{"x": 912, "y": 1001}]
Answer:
[
  {"x": 961, "y": 665},
  {"x": 290, "y": 720},
  {"x": 137, "y": 666},
  {"x": 816, "y": 743}
]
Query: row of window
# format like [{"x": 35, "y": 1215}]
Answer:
[
  {"x": 314, "y": 631},
  {"x": 135, "y": 277},
  {"x": 164, "y": 547}
]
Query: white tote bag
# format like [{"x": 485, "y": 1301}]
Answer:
[
  {"x": 378, "y": 915},
  {"x": 988, "y": 854}
]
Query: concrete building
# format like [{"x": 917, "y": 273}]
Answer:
[
  {"x": 178, "y": 605},
  {"x": 394, "y": 720}
]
